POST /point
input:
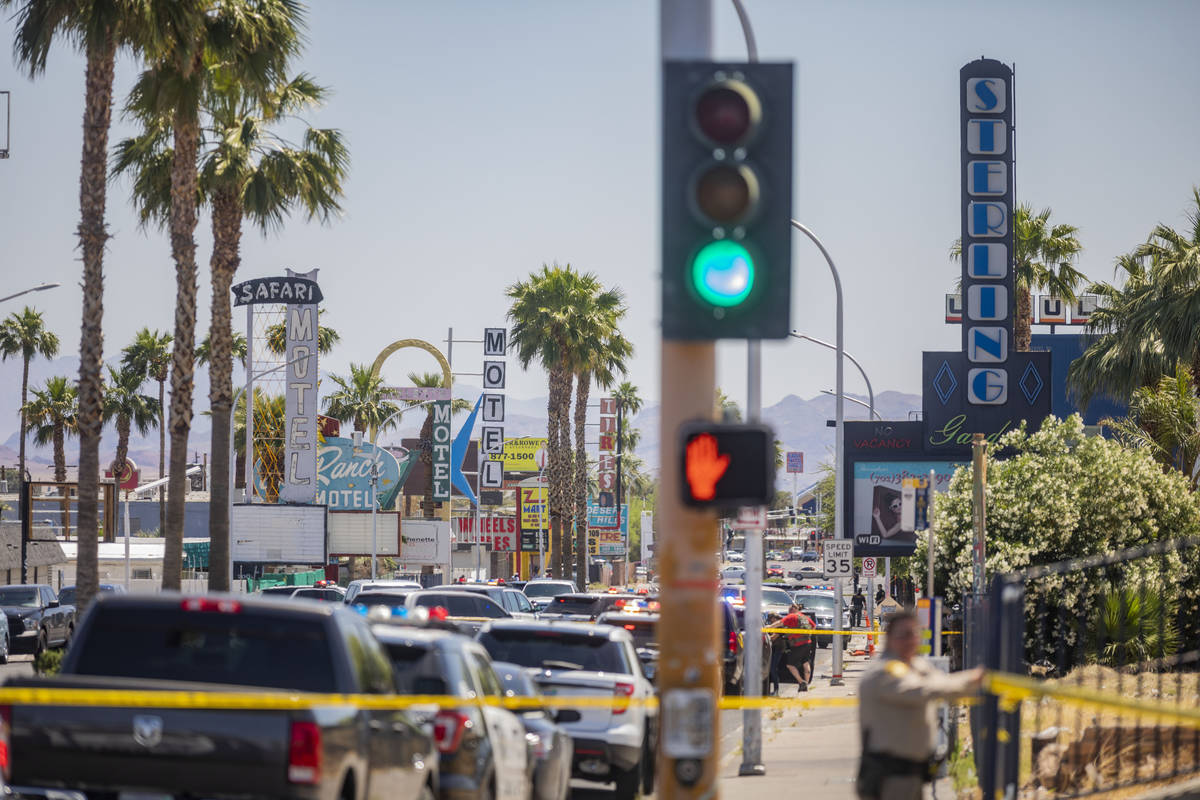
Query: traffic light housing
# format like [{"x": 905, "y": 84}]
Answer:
[
  {"x": 725, "y": 466},
  {"x": 727, "y": 200}
]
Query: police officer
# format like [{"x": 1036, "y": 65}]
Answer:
[{"x": 897, "y": 713}]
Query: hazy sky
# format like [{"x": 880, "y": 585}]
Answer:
[{"x": 488, "y": 138}]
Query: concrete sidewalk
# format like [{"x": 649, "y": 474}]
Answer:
[{"x": 813, "y": 752}]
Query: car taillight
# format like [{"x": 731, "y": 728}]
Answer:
[
  {"x": 733, "y": 642},
  {"x": 5, "y": 738},
  {"x": 622, "y": 691},
  {"x": 211, "y": 604},
  {"x": 304, "y": 753},
  {"x": 448, "y": 729}
]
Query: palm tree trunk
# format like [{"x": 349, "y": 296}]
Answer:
[
  {"x": 1022, "y": 327},
  {"x": 24, "y": 422},
  {"x": 118, "y": 465},
  {"x": 93, "y": 179},
  {"x": 183, "y": 249},
  {"x": 227, "y": 234},
  {"x": 427, "y": 461},
  {"x": 162, "y": 452},
  {"x": 566, "y": 511},
  {"x": 582, "y": 387},
  {"x": 553, "y": 466},
  {"x": 60, "y": 456}
]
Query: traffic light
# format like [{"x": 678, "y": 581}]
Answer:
[
  {"x": 727, "y": 200},
  {"x": 727, "y": 465}
]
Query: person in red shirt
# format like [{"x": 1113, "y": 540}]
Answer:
[{"x": 801, "y": 646}]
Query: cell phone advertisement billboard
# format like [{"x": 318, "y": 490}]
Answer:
[{"x": 876, "y": 503}]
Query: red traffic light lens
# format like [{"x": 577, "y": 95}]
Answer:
[
  {"x": 727, "y": 112},
  {"x": 726, "y": 194}
]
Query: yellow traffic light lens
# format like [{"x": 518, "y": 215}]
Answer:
[
  {"x": 723, "y": 273},
  {"x": 726, "y": 194}
]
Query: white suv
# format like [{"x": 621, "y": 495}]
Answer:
[{"x": 614, "y": 744}]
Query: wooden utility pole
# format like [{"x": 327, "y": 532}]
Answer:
[
  {"x": 689, "y": 662},
  {"x": 979, "y": 509}
]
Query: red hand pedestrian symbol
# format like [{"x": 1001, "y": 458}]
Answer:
[{"x": 705, "y": 466}]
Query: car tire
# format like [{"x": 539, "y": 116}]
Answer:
[
  {"x": 40, "y": 645},
  {"x": 647, "y": 768},
  {"x": 4, "y": 655},
  {"x": 70, "y": 635},
  {"x": 628, "y": 783}
]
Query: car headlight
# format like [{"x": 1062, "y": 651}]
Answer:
[{"x": 30, "y": 623}]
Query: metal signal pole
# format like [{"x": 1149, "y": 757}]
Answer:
[{"x": 689, "y": 661}]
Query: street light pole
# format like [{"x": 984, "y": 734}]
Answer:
[
  {"x": 853, "y": 360},
  {"x": 839, "y": 445},
  {"x": 40, "y": 288},
  {"x": 856, "y": 401}
]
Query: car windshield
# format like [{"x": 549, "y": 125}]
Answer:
[
  {"x": 565, "y": 604},
  {"x": 550, "y": 649},
  {"x": 380, "y": 599},
  {"x": 241, "y": 649},
  {"x": 67, "y": 596},
  {"x": 642, "y": 631},
  {"x": 417, "y": 669},
  {"x": 776, "y": 597},
  {"x": 19, "y": 596},
  {"x": 816, "y": 602},
  {"x": 547, "y": 589}
]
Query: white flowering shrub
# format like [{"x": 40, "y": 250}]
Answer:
[{"x": 1058, "y": 494}]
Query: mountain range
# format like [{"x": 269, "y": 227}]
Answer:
[{"x": 799, "y": 424}]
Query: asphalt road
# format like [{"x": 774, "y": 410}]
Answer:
[{"x": 17, "y": 665}]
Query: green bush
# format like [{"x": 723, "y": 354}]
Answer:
[
  {"x": 49, "y": 662},
  {"x": 1131, "y": 628}
]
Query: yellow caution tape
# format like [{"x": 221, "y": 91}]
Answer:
[
  {"x": 822, "y": 632},
  {"x": 1015, "y": 688}
]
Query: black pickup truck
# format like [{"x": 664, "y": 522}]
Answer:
[
  {"x": 36, "y": 620},
  {"x": 215, "y": 643}
]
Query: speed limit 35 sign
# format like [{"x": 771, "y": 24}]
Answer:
[{"x": 839, "y": 558}]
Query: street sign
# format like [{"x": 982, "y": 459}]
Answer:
[
  {"x": 751, "y": 518},
  {"x": 795, "y": 461},
  {"x": 839, "y": 558},
  {"x": 868, "y": 567},
  {"x": 416, "y": 394}
]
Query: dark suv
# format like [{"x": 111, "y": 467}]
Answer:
[{"x": 586, "y": 606}]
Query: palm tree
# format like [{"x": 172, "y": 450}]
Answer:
[
  {"x": 1043, "y": 258},
  {"x": 247, "y": 43},
  {"x": 359, "y": 400},
  {"x": 597, "y": 350},
  {"x": 540, "y": 312},
  {"x": 326, "y": 337},
  {"x": 724, "y": 407},
  {"x": 53, "y": 411},
  {"x": 269, "y": 436},
  {"x": 24, "y": 334},
  {"x": 129, "y": 408},
  {"x": 150, "y": 355},
  {"x": 629, "y": 404},
  {"x": 99, "y": 28},
  {"x": 431, "y": 380},
  {"x": 1145, "y": 330},
  {"x": 237, "y": 349},
  {"x": 246, "y": 172},
  {"x": 1165, "y": 421}
]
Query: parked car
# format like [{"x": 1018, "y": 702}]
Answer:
[
  {"x": 739, "y": 616},
  {"x": 483, "y": 750},
  {"x": 774, "y": 599},
  {"x": 511, "y": 600},
  {"x": 775, "y": 572},
  {"x": 467, "y": 609},
  {"x": 810, "y": 556},
  {"x": 643, "y": 628},
  {"x": 541, "y": 591},
  {"x": 733, "y": 574},
  {"x": 734, "y": 557},
  {"x": 329, "y": 594},
  {"x": 356, "y": 586},
  {"x": 819, "y": 606},
  {"x": 286, "y": 590},
  {"x": 66, "y": 595},
  {"x": 795, "y": 553},
  {"x": 392, "y": 599},
  {"x": 614, "y": 743},
  {"x": 36, "y": 619},
  {"x": 178, "y": 644},
  {"x": 550, "y": 742},
  {"x": 586, "y": 606}
]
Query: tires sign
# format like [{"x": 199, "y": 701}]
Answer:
[{"x": 839, "y": 558}]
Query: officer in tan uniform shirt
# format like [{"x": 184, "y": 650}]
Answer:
[{"x": 897, "y": 713}]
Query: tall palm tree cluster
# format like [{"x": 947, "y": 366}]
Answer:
[
  {"x": 1146, "y": 328},
  {"x": 568, "y": 323},
  {"x": 216, "y": 81}
]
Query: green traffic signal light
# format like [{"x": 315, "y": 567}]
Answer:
[{"x": 723, "y": 273}]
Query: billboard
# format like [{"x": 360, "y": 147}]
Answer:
[
  {"x": 344, "y": 476},
  {"x": 424, "y": 541},
  {"x": 604, "y": 537},
  {"x": 350, "y": 533},
  {"x": 520, "y": 455},
  {"x": 875, "y": 513},
  {"x": 531, "y": 507},
  {"x": 268, "y": 533},
  {"x": 498, "y": 533}
]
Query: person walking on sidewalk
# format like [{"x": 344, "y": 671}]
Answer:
[
  {"x": 897, "y": 712},
  {"x": 857, "y": 604},
  {"x": 799, "y": 658}
]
